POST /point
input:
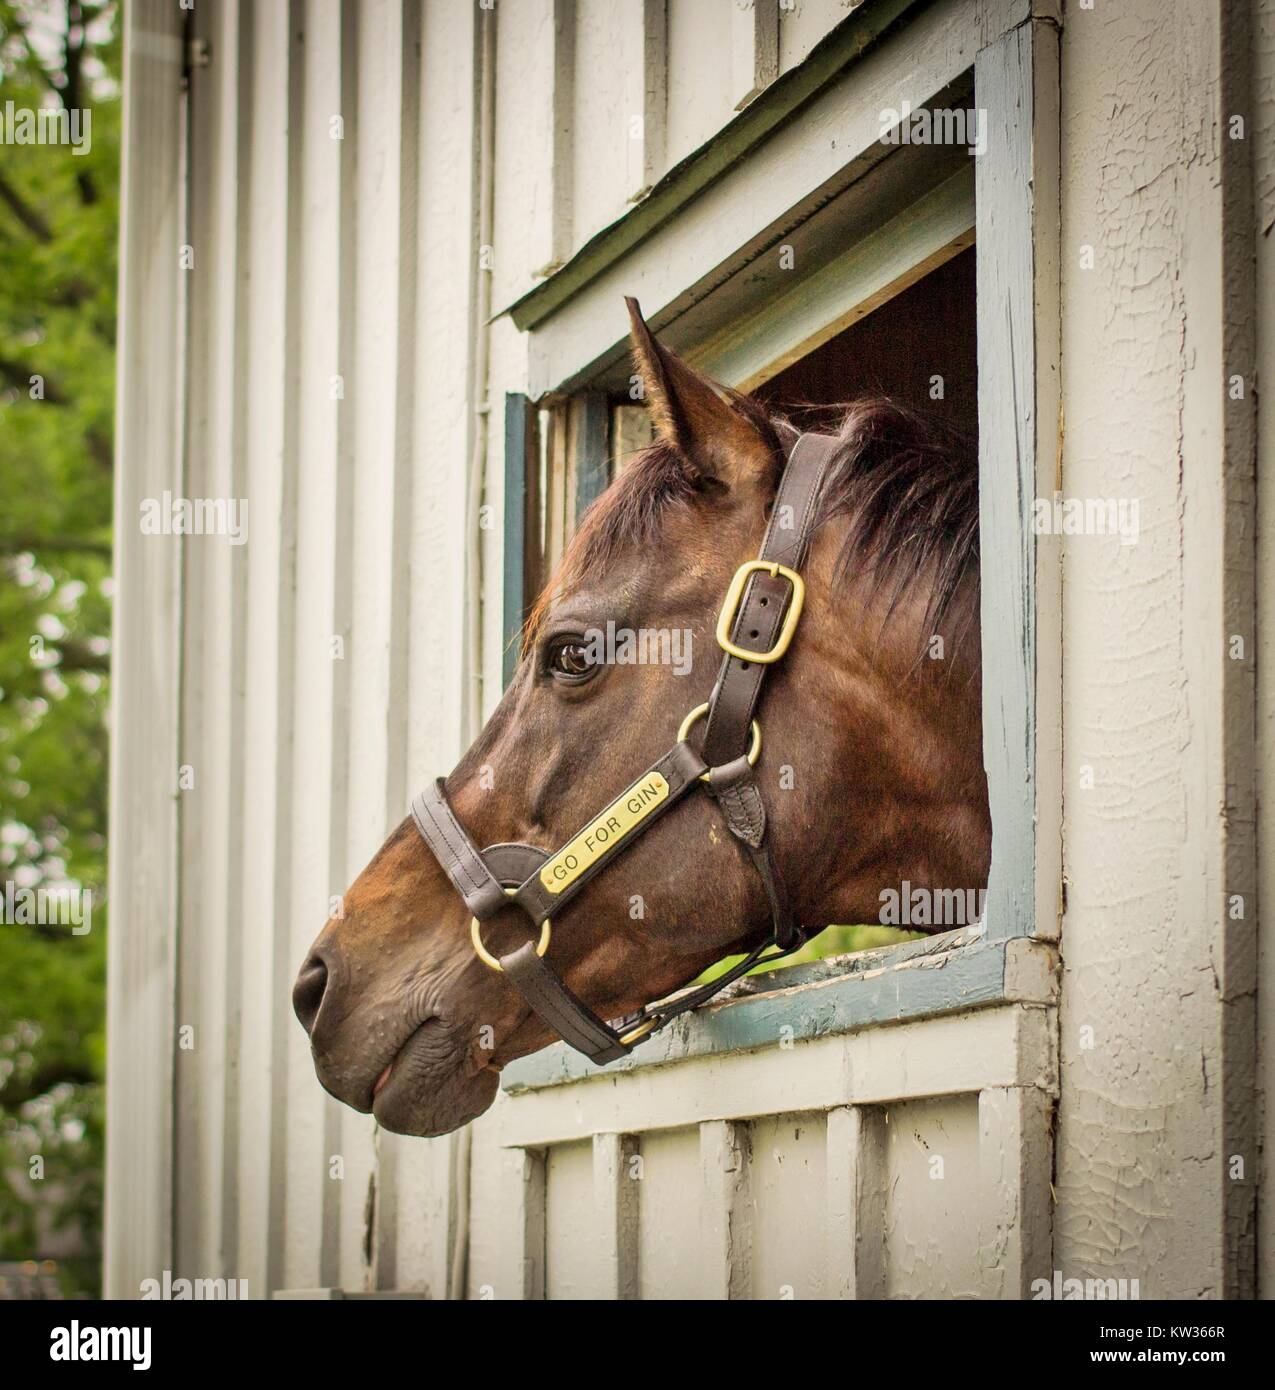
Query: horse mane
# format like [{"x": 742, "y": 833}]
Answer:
[{"x": 908, "y": 485}]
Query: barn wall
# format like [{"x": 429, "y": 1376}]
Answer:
[
  {"x": 1157, "y": 1018},
  {"x": 336, "y": 368},
  {"x": 335, "y": 350},
  {"x": 900, "y": 1162}
]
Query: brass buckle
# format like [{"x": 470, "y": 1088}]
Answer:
[
  {"x": 699, "y": 712},
  {"x": 484, "y": 955},
  {"x": 730, "y": 607}
]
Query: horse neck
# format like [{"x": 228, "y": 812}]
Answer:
[{"x": 889, "y": 729}]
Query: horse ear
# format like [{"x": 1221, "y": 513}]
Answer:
[{"x": 699, "y": 419}]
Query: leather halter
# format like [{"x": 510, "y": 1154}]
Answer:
[{"x": 763, "y": 605}]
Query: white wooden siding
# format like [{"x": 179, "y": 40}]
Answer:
[
  {"x": 145, "y": 849},
  {"x": 211, "y": 691},
  {"x": 321, "y": 544},
  {"x": 910, "y": 1161},
  {"x": 417, "y": 1207},
  {"x": 804, "y": 164}
]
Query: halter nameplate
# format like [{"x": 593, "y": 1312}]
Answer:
[{"x": 604, "y": 833}]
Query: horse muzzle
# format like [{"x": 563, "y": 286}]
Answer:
[{"x": 411, "y": 1070}]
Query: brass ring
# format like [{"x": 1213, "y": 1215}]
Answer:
[
  {"x": 698, "y": 713},
  {"x": 484, "y": 955}
]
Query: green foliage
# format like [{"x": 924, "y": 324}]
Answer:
[
  {"x": 58, "y": 218},
  {"x": 832, "y": 941}
]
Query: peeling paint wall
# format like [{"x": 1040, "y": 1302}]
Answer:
[
  {"x": 934, "y": 1206},
  {"x": 1157, "y": 1016}
]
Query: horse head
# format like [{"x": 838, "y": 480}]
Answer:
[{"x": 870, "y": 768}]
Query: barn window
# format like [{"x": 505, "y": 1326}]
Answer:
[{"x": 917, "y": 269}]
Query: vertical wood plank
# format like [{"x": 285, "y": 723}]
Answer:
[
  {"x": 196, "y": 1191},
  {"x": 754, "y": 40},
  {"x": 591, "y": 462},
  {"x": 560, "y": 475},
  {"x": 856, "y": 1202},
  {"x": 407, "y": 22},
  {"x": 521, "y": 468},
  {"x": 342, "y": 574},
  {"x": 727, "y": 1234},
  {"x": 1046, "y": 62},
  {"x": 654, "y": 91},
  {"x": 531, "y": 146},
  {"x": 381, "y": 497},
  {"x": 609, "y": 105},
  {"x": 1015, "y": 1162},
  {"x": 1159, "y": 388},
  {"x": 631, "y": 431},
  {"x": 317, "y": 661},
  {"x": 1263, "y": 79},
  {"x": 283, "y": 1022},
  {"x": 391, "y": 1148},
  {"x": 236, "y": 228},
  {"x": 562, "y": 163},
  {"x": 523, "y": 1274},
  {"x": 269, "y": 460},
  {"x": 480, "y": 654},
  {"x": 1239, "y": 31},
  {"x": 145, "y": 664},
  {"x": 212, "y": 636},
  {"x": 438, "y": 348},
  {"x": 615, "y": 1195},
  {"x": 1016, "y": 195}
]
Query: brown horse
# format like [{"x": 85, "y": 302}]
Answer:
[{"x": 871, "y": 767}]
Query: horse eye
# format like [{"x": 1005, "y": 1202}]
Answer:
[{"x": 571, "y": 660}]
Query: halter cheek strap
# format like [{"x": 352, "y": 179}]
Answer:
[{"x": 755, "y": 626}]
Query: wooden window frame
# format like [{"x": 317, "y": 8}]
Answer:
[{"x": 1007, "y": 957}]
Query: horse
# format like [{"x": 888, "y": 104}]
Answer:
[{"x": 871, "y": 770}]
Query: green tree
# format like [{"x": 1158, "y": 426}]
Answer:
[{"x": 58, "y": 222}]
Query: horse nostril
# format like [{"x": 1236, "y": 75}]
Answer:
[{"x": 307, "y": 993}]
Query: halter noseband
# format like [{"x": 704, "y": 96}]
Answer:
[{"x": 764, "y": 602}]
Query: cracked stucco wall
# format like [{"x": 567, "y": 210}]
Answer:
[{"x": 1157, "y": 1018}]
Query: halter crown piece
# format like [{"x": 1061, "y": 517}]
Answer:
[{"x": 764, "y": 601}]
